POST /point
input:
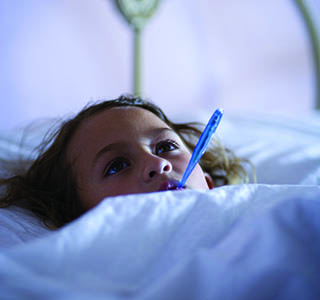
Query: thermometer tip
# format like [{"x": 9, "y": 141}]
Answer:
[{"x": 220, "y": 110}]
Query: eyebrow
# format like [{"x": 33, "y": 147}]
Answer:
[
  {"x": 157, "y": 131},
  {"x": 106, "y": 149},
  {"x": 110, "y": 147}
]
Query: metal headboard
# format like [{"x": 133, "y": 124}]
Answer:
[{"x": 137, "y": 13}]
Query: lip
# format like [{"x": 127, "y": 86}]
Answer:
[{"x": 170, "y": 185}]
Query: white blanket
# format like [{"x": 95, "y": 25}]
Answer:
[{"x": 234, "y": 242}]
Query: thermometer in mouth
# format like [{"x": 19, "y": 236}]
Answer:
[{"x": 202, "y": 144}]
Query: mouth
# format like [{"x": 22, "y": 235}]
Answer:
[{"x": 171, "y": 185}]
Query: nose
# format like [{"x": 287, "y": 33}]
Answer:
[{"x": 155, "y": 165}]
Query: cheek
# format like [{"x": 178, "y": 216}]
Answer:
[
  {"x": 197, "y": 179},
  {"x": 182, "y": 161},
  {"x": 93, "y": 194}
]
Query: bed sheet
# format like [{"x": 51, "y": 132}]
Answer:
[{"x": 234, "y": 242}]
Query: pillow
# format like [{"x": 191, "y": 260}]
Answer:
[
  {"x": 284, "y": 150},
  {"x": 18, "y": 225}
]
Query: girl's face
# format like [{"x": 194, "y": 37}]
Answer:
[{"x": 128, "y": 150}]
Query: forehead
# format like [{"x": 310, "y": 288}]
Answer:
[
  {"x": 114, "y": 124},
  {"x": 117, "y": 118}
]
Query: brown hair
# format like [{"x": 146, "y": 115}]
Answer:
[{"x": 48, "y": 186}]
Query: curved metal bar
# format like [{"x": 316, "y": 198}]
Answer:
[
  {"x": 137, "y": 13},
  {"x": 315, "y": 43}
]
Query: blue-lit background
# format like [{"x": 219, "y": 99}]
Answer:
[{"x": 244, "y": 56}]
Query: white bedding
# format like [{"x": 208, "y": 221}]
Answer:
[
  {"x": 258, "y": 241},
  {"x": 234, "y": 242}
]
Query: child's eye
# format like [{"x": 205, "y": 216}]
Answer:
[
  {"x": 166, "y": 146},
  {"x": 115, "y": 166}
]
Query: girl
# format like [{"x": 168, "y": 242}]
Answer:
[{"x": 122, "y": 146}]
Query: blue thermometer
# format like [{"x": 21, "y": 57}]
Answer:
[{"x": 202, "y": 144}]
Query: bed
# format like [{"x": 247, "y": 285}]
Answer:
[
  {"x": 251, "y": 241},
  {"x": 259, "y": 240}
]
